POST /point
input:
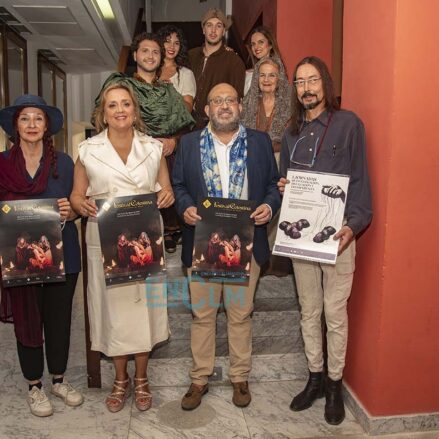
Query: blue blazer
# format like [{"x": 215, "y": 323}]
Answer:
[{"x": 189, "y": 186}]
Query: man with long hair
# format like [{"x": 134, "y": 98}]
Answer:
[{"x": 323, "y": 138}]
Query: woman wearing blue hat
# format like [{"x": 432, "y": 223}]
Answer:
[{"x": 33, "y": 169}]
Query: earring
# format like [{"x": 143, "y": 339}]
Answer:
[{"x": 105, "y": 121}]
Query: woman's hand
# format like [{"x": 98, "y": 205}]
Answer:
[
  {"x": 88, "y": 208},
  {"x": 169, "y": 145},
  {"x": 65, "y": 210},
  {"x": 165, "y": 198}
]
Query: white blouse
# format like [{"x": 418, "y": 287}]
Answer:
[{"x": 184, "y": 82}]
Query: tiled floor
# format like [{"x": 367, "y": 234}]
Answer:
[{"x": 268, "y": 416}]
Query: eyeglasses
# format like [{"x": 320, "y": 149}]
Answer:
[
  {"x": 309, "y": 163},
  {"x": 220, "y": 101},
  {"x": 305, "y": 140},
  {"x": 301, "y": 82}
]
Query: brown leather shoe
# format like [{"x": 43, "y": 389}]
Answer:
[
  {"x": 192, "y": 399},
  {"x": 241, "y": 394}
]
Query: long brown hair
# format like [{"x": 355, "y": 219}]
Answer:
[
  {"x": 331, "y": 102},
  {"x": 271, "y": 41},
  {"x": 98, "y": 113}
]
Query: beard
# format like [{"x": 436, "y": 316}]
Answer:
[
  {"x": 311, "y": 105},
  {"x": 225, "y": 127}
]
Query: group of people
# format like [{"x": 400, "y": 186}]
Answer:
[
  {"x": 241, "y": 150},
  {"x": 134, "y": 252},
  {"x": 33, "y": 256},
  {"x": 223, "y": 252}
]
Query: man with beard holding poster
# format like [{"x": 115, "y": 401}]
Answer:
[
  {"x": 323, "y": 138},
  {"x": 229, "y": 161}
]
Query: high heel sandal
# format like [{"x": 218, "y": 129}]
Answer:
[
  {"x": 119, "y": 396},
  {"x": 143, "y": 399}
]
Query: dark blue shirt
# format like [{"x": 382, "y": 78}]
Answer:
[
  {"x": 61, "y": 187},
  {"x": 343, "y": 151}
]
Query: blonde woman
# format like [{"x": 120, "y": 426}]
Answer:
[{"x": 121, "y": 161}]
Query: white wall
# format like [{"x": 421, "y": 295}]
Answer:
[{"x": 81, "y": 92}]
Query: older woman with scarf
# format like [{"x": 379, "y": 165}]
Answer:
[
  {"x": 33, "y": 169},
  {"x": 267, "y": 107}
]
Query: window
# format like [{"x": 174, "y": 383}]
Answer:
[
  {"x": 52, "y": 87},
  {"x": 13, "y": 71}
]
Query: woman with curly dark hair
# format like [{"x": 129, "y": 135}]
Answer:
[{"x": 176, "y": 65}]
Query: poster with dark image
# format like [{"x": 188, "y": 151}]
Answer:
[
  {"x": 131, "y": 238},
  {"x": 223, "y": 239},
  {"x": 31, "y": 247}
]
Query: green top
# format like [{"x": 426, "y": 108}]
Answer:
[{"x": 162, "y": 108}]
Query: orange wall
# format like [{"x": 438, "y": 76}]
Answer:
[
  {"x": 393, "y": 351},
  {"x": 246, "y": 12},
  {"x": 304, "y": 27}
]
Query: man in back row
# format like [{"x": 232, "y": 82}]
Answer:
[{"x": 213, "y": 63}]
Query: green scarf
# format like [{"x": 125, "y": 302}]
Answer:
[{"x": 162, "y": 108}]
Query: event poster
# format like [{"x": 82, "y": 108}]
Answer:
[
  {"x": 312, "y": 212},
  {"x": 223, "y": 239},
  {"x": 131, "y": 238},
  {"x": 31, "y": 246}
]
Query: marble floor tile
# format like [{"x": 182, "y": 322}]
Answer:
[
  {"x": 269, "y": 416},
  {"x": 166, "y": 419}
]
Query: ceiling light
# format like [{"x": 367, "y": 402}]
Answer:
[{"x": 105, "y": 8}]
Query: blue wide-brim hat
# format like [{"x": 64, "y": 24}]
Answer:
[{"x": 7, "y": 114}]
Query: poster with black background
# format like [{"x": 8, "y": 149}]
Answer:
[
  {"x": 223, "y": 239},
  {"x": 31, "y": 247},
  {"x": 131, "y": 238}
]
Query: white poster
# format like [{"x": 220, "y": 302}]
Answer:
[{"x": 312, "y": 212}]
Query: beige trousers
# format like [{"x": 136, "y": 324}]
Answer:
[
  {"x": 238, "y": 302},
  {"x": 324, "y": 287}
]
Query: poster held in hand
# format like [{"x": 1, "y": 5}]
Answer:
[
  {"x": 312, "y": 212},
  {"x": 223, "y": 239},
  {"x": 31, "y": 246},
  {"x": 131, "y": 238}
]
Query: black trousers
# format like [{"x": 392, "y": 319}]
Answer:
[{"x": 55, "y": 303}]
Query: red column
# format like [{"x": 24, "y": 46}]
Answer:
[
  {"x": 304, "y": 27},
  {"x": 390, "y": 67}
]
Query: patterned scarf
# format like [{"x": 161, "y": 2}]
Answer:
[{"x": 237, "y": 164}]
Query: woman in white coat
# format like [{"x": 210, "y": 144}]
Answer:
[{"x": 121, "y": 161}]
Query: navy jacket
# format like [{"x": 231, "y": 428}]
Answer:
[{"x": 189, "y": 186}]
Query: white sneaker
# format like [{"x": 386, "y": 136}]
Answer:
[
  {"x": 39, "y": 402},
  {"x": 67, "y": 393}
]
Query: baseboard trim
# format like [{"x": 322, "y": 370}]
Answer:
[{"x": 376, "y": 425}]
